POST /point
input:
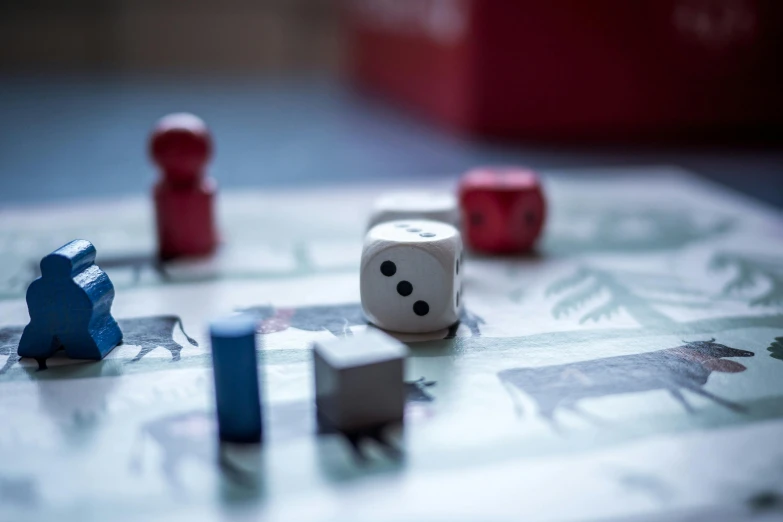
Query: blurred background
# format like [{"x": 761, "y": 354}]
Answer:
[
  {"x": 171, "y": 36},
  {"x": 324, "y": 91}
]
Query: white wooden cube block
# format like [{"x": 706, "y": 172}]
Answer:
[{"x": 359, "y": 380}]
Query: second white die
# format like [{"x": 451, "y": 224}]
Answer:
[
  {"x": 434, "y": 206},
  {"x": 411, "y": 276}
]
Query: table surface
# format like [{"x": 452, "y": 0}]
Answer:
[{"x": 76, "y": 137}]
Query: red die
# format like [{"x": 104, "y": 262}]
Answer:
[{"x": 503, "y": 209}]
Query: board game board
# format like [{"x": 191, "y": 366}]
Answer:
[{"x": 629, "y": 369}]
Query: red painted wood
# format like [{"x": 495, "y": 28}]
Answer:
[
  {"x": 503, "y": 209},
  {"x": 181, "y": 146}
]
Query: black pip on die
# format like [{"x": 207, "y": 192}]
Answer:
[{"x": 411, "y": 278}]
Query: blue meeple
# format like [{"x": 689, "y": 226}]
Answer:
[{"x": 70, "y": 306}]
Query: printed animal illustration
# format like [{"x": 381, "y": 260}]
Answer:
[
  {"x": 181, "y": 437},
  {"x": 146, "y": 332},
  {"x": 152, "y": 332},
  {"x": 9, "y": 343},
  {"x": 336, "y": 319},
  {"x": 417, "y": 390},
  {"x": 685, "y": 367},
  {"x": 190, "y": 435},
  {"x": 137, "y": 264}
]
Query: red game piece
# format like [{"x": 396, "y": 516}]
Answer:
[
  {"x": 184, "y": 197},
  {"x": 503, "y": 209}
]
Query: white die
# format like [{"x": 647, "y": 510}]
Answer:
[
  {"x": 436, "y": 206},
  {"x": 411, "y": 278}
]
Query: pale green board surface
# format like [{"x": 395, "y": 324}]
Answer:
[{"x": 629, "y": 266}]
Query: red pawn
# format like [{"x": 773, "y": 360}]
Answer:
[
  {"x": 184, "y": 197},
  {"x": 503, "y": 209}
]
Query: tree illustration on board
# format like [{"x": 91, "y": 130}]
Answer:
[
  {"x": 637, "y": 230},
  {"x": 752, "y": 273},
  {"x": 638, "y": 294},
  {"x": 776, "y": 348}
]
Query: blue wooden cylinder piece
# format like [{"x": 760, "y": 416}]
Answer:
[{"x": 236, "y": 378}]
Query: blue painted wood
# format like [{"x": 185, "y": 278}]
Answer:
[
  {"x": 70, "y": 307},
  {"x": 236, "y": 378}
]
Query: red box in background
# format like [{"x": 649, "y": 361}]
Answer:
[{"x": 575, "y": 69}]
